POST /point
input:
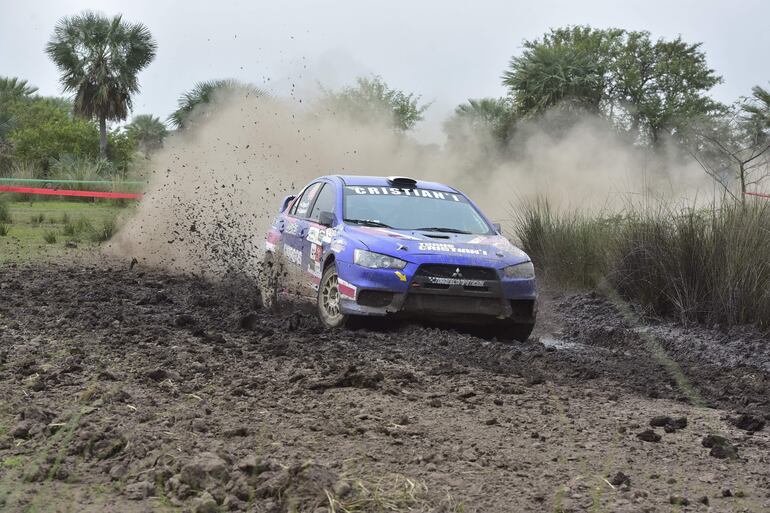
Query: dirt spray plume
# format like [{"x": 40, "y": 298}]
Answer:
[{"x": 215, "y": 188}]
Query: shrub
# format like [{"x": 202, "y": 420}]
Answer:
[
  {"x": 5, "y": 214},
  {"x": 571, "y": 249},
  {"x": 105, "y": 231},
  {"x": 709, "y": 265},
  {"x": 50, "y": 237}
]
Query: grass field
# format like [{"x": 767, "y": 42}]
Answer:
[{"x": 52, "y": 229}]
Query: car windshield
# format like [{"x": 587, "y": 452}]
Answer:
[{"x": 412, "y": 209}]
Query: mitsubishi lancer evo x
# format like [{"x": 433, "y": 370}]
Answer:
[{"x": 377, "y": 246}]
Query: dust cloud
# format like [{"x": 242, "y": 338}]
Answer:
[{"x": 215, "y": 188}]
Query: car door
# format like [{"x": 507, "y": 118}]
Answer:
[
  {"x": 295, "y": 231},
  {"x": 313, "y": 246}
]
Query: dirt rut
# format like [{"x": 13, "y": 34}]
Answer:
[{"x": 142, "y": 391}]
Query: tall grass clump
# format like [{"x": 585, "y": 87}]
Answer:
[
  {"x": 708, "y": 265},
  {"x": 105, "y": 231},
  {"x": 50, "y": 237},
  {"x": 4, "y": 229},
  {"x": 5, "y": 213},
  {"x": 703, "y": 265},
  {"x": 572, "y": 249}
]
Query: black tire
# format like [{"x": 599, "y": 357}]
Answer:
[
  {"x": 268, "y": 281},
  {"x": 511, "y": 331},
  {"x": 328, "y": 300}
]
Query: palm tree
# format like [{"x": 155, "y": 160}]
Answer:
[
  {"x": 148, "y": 131},
  {"x": 483, "y": 116},
  {"x": 99, "y": 59},
  {"x": 13, "y": 87},
  {"x": 758, "y": 108},
  {"x": 203, "y": 93}
]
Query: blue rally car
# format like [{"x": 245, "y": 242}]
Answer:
[{"x": 376, "y": 246}]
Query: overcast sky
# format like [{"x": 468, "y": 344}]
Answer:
[{"x": 445, "y": 50}]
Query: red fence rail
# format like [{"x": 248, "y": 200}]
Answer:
[{"x": 67, "y": 192}]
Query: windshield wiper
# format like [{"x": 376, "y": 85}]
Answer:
[
  {"x": 440, "y": 229},
  {"x": 367, "y": 222}
]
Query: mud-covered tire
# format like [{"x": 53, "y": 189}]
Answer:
[
  {"x": 268, "y": 281},
  {"x": 514, "y": 331},
  {"x": 328, "y": 300}
]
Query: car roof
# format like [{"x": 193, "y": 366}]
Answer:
[{"x": 382, "y": 181}]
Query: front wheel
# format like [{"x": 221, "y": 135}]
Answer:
[{"x": 329, "y": 300}]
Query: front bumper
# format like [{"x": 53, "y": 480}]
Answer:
[{"x": 415, "y": 291}]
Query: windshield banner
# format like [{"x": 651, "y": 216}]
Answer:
[{"x": 360, "y": 190}]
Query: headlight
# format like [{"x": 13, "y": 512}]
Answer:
[
  {"x": 521, "y": 271},
  {"x": 376, "y": 260}
]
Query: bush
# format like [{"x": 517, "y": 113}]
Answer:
[
  {"x": 703, "y": 265},
  {"x": 5, "y": 214},
  {"x": 105, "y": 231},
  {"x": 570, "y": 249},
  {"x": 710, "y": 266}
]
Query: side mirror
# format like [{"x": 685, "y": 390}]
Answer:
[
  {"x": 286, "y": 201},
  {"x": 498, "y": 228},
  {"x": 327, "y": 219}
]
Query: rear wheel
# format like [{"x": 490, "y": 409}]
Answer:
[{"x": 329, "y": 300}]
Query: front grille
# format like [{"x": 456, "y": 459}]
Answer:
[{"x": 467, "y": 272}]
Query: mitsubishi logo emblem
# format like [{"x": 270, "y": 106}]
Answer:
[{"x": 457, "y": 273}]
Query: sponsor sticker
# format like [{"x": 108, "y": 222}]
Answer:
[
  {"x": 292, "y": 229},
  {"x": 316, "y": 252},
  {"x": 314, "y": 269},
  {"x": 442, "y": 247},
  {"x": 292, "y": 255},
  {"x": 455, "y": 281},
  {"x": 338, "y": 245},
  {"x": 346, "y": 289},
  {"x": 401, "y": 276},
  {"x": 314, "y": 235}
]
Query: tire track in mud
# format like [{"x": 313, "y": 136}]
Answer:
[{"x": 189, "y": 396}]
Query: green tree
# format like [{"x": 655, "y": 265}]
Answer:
[
  {"x": 12, "y": 90},
  {"x": 99, "y": 59},
  {"x": 204, "y": 94},
  {"x": 148, "y": 131},
  {"x": 646, "y": 87},
  {"x": 484, "y": 118},
  {"x": 44, "y": 130},
  {"x": 371, "y": 100}
]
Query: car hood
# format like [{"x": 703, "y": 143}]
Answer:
[{"x": 412, "y": 245}]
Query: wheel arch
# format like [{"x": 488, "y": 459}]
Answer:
[{"x": 330, "y": 259}]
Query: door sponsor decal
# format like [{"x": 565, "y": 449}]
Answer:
[
  {"x": 314, "y": 235},
  {"x": 292, "y": 229},
  {"x": 292, "y": 255}
]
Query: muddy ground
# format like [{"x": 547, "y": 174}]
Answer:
[{"x": 133, "y": 390}]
